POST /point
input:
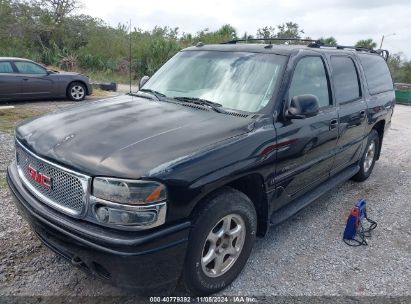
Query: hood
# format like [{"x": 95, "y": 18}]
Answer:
[{"x": 126, "y": 136}]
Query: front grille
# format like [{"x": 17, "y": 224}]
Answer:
[{"x": 67, "y": 191}]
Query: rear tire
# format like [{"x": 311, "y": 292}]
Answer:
[
  {"x": 220, "y": 242},
  {"x": 76, "y": 91},
  {"x": 369, "y": 157}
]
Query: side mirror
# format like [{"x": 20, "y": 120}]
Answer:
[
  {"x": 143, "y": 81},
  {"x": 303, "y": 106}
]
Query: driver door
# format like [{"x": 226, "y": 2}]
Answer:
[{"x": 309, "y": 144}]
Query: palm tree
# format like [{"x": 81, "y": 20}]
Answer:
[
  {"x": 366, "y": 43},
  {"x": 328, "y": 41}
]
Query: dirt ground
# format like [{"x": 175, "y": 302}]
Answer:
[{"x": 304, "y": 256}]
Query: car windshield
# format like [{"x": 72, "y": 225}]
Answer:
[{"x": 236, "y": 80}]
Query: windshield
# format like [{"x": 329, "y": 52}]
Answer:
[{"x": 236, "y": 80}]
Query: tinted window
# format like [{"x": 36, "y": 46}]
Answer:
[
  {"x": 376, "y": 72},
  {"x": 5, "y": 67},
  {"x": 310, "y": 78},
  {"x": 345, "y": 79},
  {"x": 29, "y": 68}
]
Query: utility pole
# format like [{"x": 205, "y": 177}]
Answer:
[
  {"x": 129, "y": 53},
  {"x": 385, "y": 36}
]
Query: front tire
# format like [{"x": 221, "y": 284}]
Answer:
[
  {"x": 76, "y": 91},
  {"x": 220, "y": 242},
  {"x": 369, "y": 157}
]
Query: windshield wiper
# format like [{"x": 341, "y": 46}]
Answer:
[
  {"x": 156, "y": 94},
  {"x": 202, "y": 102}
]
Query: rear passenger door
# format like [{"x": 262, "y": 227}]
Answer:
[{"x": 351, "y": 106}]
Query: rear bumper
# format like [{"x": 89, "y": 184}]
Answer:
[{"x": 147, "y": 261}]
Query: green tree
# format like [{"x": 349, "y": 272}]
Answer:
[
  {"x": 58, "y": 9},
  {"x": 289, "y": 30},
  {"x": 400, "y": 68},
  {"x": 328, "y": 41},
  {"x": 285, "y": 30},
  {"x": 266, "y": 32},
  {"x": 366, "y": 43}
]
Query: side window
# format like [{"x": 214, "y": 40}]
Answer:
[
  {"x": 29, "y": 68},
  {"x": 5, "y": 67},
  {"x": 345, "y": 79},
  {"x": 310, "y": 78},
  {"x": 377, "y": 73}
]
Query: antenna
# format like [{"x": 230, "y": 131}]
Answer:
[{"x": 129, "y": 53}]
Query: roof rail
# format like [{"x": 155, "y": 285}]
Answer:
[
  {"x": 315, "y": 43},
  {"x": 383, "y": 53},
  {"x": 270, "y": 39}
]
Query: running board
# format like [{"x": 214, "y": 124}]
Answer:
[{"x": 293, "y": 207}]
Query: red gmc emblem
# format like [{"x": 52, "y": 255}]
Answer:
[{"x": 39, "y": 177}]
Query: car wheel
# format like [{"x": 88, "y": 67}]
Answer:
[
  {"x": 368, "y": 158},
  {"x": 76, "y": 91},
  {"x": 220, "y": 242}
]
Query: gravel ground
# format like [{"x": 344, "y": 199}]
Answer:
[{"x": 303, "y": 256}]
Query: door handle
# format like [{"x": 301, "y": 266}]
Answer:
[
  {"x": 25, "y": 79},
  {"x": 362, "y": 114},
  {"x": 333, "y": 123}
]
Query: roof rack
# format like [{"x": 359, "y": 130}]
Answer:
[
  {"x": 315, "y": 44},
  {"x": 270, "y": 39},
  {"x": 382, "y": 53}
]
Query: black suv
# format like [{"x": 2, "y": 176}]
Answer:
[{"x": 174, "y": 182}]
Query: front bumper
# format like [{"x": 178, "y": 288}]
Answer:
[
  {"x": 149, "y": 261},
  {"x": 89, "y": 88}
]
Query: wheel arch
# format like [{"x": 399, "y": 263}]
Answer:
[
  {"x": 252, "y": 185},
  {"x": 379, "y": 127}
]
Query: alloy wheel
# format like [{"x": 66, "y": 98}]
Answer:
[
  {"x": 369, "y": 156},
  {"x": 223, "y": 245},
  {"x": 77, "y": 92}
]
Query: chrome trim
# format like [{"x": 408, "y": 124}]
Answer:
[
  {"x": 84, "y": 180},
  {"x": 160, "y": 208}
]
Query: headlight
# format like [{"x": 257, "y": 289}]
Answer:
[
  {"x": 133, "y": 192},
  {"x": 128, "y": 204}
]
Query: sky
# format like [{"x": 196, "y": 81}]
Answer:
[{"x": 346, "y": 20}]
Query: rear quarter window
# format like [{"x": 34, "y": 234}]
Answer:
[{"x": 377, "y": 73}]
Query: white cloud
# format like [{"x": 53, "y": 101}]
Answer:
[{"x": 346, "y": 20}]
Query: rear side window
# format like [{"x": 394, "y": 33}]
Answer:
[
  {"x": 345, "y": 79},
  {"x": 310, "y": 78},
  {"x": 29, "y": 68},
  {"x": 377, "y": 73},
  {"x": 5, "y": 67}
]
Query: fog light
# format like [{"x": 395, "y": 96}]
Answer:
[
  {"x": 113, "y": 216},
  {"x": 102, "y": 214}
]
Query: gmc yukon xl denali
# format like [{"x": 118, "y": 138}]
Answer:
[{"x": 174, "y": 182}]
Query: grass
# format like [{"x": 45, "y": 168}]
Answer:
[
  {"x": 107, "y": 76},
  {"x": 101, "y": 76},
  {"x": 99, "y": 92},
  {"x": 10, "y": 117}
]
